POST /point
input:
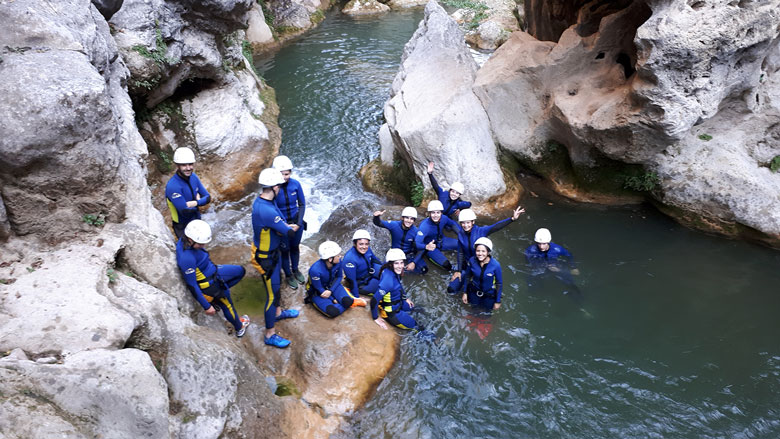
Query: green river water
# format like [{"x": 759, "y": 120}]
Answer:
[{"x": 676, "y": 335}]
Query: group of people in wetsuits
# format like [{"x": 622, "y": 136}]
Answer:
[{"x": 277, "y": 223}]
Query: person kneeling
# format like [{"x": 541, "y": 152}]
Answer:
[
  {"x": 324, "y": 289},
  {"x": 483, "y": 277}
]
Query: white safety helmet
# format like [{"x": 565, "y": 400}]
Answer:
[
  {"x": 395, "y": 254},
  {"x": 484, "y": 241},
  {"x": 198, "y": 231},
  {"x": 458, "y": 187},
  {"x": 435, "y": 205},
  {"x": 282, "y": 163},
  {"x": 183, "y": 156},
  {"x": 543, "y": 236},
  {"x": 467, "y": 215},
  {"x": 329, "y": 249},
  {"x": 361, "y": 234},
  {"x": 270, "y": 177},
  {"x": 411, "y": 212}
]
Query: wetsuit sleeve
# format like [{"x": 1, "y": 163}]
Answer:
[
  {"x": 379, "y": 222},
  {"x": 418, "y": 240},
  {"x": 465, "y": 275},
  {"x": 499, "y": 283},
  {"x": 205, "y": 197},
  {"x": 498, "y": 226},
  {"x": 435, "y": 185},
  {"x": 338, "y": 275},
  {"x": 375, "y": 300},
  {"x": 565, "y": 253},
  {"x": 175, "y": 196},
  {"x": 450, "y": 224},
  {"x": 301, "y": 205},
  {"x": 316, "y": 282},
  {"x": 188, "y": 270},
  {"x": 350, "y": 270},
  {"x": 461, "y": 256},
  {"x": 462, "y": 204}
]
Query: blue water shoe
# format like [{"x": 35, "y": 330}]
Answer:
[
  {"x": 288, "y": 314},
  {"x": 277, "y": 341}
]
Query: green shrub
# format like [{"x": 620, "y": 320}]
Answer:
[
  {"x": 705, "y": 137},
  {"x": 112, "y": 275},
  {"x": 159, "y": 53},
  {"x": 774, "y": 165},
  {"x": 416, "y": 191},
  {"x": 642, "y": 183},
  {"x": 94, "y": 220}
]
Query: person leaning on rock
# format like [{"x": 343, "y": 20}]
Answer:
[
  {"x": 450, "y": 199},
  {"x": 268, "y": 227},
  {"x": 184, "y": 191},
  {"x": 209, "y": 284}
]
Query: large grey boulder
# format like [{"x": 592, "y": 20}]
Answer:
[
  {"x": 258, "y": 32},
  {"x": 433, "y": 114},
  {"x": 99, "y": 393},
  {"x": 639, "y": 86}
]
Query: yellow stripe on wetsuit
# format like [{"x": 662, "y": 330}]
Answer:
[
  {"x": 266, "y": 279},
  {"x": 174, "y": 212}
]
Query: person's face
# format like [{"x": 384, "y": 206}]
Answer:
[
  {"x": 454, "y": 194},
  {"x": 543, "y": 246},
  {"x": 362, "y": 245},
  {"x": 398, "y": 267},
  {"x": 467, "y": 225},
  {"x": 435, "y": 216},
  {"x": 185, "y": 169},
  {"x": 408, "y": 221},
  {"x": 481, "y": 253},
  {"x": 286, "y": 174},
  {"x": 335, "y": 260}
]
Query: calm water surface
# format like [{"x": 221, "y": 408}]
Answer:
[{"x": 676, "y": 337}]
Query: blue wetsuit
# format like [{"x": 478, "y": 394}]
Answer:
[
  {"x": 268, "y": 228},
  {"x": 466, "y": 242},
  {"x": 404, "y": 239},
  {"x": 208, "y": 283},
  {"x": 321, "y": 279},
  {"x": 362, "y": 271},
  {"x": 178, "y": 192},
  {"x": 540, "y": 260},
  {"x": 444, "y": 196},
  {"x": 430, "y": 231},
  {"x": 483, "y": 283},
  {"x": 389, "y": 301},
  {"x": 292, "y": 203}
]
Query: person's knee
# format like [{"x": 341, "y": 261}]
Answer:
[
  {"x": 447, "y": 265},
  {"x": 347, "y": 301},
  {"x": 332, "y": 311}
]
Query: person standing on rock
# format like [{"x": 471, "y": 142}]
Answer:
[
  {"x": 450, "y": 199},
  {"x": 390, "y": 303},
  {"x": 209, "y": 283},
  {"x": 361, "y": 266},
  {"x": 184, "y": 191},
  {"x": 292, "y": 203},
  {"x": 468, "y": 234},
  {"x": 402, "y": 235},
  {"x": 430, "y": 236},
  {"x": 324, "y": 289},
  {"x": 268, "y": 228},
  {"x": 482, "y": 277}
]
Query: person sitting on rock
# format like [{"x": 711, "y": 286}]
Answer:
[
  {"x": 292, "y": 203},
  {"x": 184, "y": 191},
  {"x": 450, "y": 199},
  {"x": 430, "y": 236},
  {"x": 324, "y": 289},
  {"x": 361, "y": 267},
  {"x": 402, "y": 235},
  {"x": 267, "y": 229},
  {"x": 482, "y": 277},
  {"x": 209, "y": 284},
  {"x": 390, "y": 302},
  {"x": 468, "y": 234}
]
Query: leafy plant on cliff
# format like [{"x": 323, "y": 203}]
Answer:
[
  {"x": 416, "y": 191},
  {"x": 159, "y": 53},
  {"x": 476, "y": 8},
  {"x": 94, "y": 220},
  {"x": 774, "y": 165},
  {"x": 705, "y": 137},
  {"x": 645, "y": 182}
]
